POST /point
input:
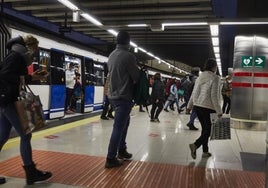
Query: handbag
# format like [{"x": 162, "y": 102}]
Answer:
[
  {"x": 220, "y": 129},
  {"x": 30, "y": 111}
]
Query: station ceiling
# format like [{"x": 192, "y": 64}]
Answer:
[{"x": 181, "y": 46}]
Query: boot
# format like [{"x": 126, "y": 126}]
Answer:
[
  {"x": 2, "y": 180},
  {"x": 34, "y": 175},
  {"x": 123, "y": 154}
]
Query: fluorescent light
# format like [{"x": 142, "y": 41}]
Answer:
[
  {"x": 69, "y": 4},
  {"x": 136, "y": 50},
  {"x": 137, "y": 25},
  {"x": 214, "y": 30},
  {"x": 243, "y": 23},
  {"x": 141, "y": 49},
  {"x": 215, "y": 41},
  {"x": 91, "y": 19},
  {"x": 150, "y": 54},
  {"x": 183, "y": 24},
  {"x": 113, "y": 32},
  {"x": 217, "y": 55},
  {"x": 133, "y": 44},
  {"x": 216, "y": 49}
]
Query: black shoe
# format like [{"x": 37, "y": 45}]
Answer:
[
  {"x": 166, "y": 110},
  {"x": 192, "y": 127},
  {"x": 193, "y": 150},
  {"x": 34, "y": 175},
  {"x": 104, "y": 118},
  {"x": 172, "y": 109},
  {"x": 180, "y": 110},
  {"x": 152, "y": 120},
  {"x": 2, "y": 180},
  {"x": 110, "y": 116},
  {"x": 157, "y": 120},
  {"x": 142, "y": 111},
  {"x": 111, "y": 163},
  {"x": 124, "y": 155}
]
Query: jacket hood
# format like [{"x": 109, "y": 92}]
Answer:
[
  {"x": 205, "y": 77},
  {"x": 16, "y": 40}
]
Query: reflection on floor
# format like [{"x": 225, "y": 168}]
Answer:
[{"x": 159, "y": 149}]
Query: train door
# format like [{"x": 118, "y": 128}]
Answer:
[
  {"x": 98, "y": 79},
  {"x": 88, "y": 85},
  {"x": 57, "y": 88},
  {"x": 77, "y": 95}
]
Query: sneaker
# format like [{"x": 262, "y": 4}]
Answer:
[
  {"x": 193, "y": 150},
  {"x": 166, "y": 110},
  {"x": 2, "y": 180},
  {"x": 111, "y": 163},
  {"x": 104, "y": 118},
  {"x": 157, "y": 120},
  {"x": 206, "y": 155},
  {"x": 110, "y": 116},
  {"x": 124, "y": 155}
]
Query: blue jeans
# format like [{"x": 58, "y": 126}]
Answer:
[
  {"x": 122, "y": 109},
  {"x": 192, "y": 117},
  {"x": 8, "y": 119}
]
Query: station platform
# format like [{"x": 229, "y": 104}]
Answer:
[{"x": 75, "y": 149}]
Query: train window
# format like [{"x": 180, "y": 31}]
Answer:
[
  {"x": 76, "y": 61},
  {"x": 88, "y": 70},
  {"x": 41, "y": 62},
  {"x": 98, "y": 71}
]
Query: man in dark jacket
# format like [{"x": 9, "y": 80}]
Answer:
[
  {"x": 15, "y": 65},
  {"x": 124, "y": 73}
]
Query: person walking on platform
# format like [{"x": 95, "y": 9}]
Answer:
[
  {"x": 12, "y": 69},
  {"x": 157, "y": 97},
  {"x": 226, "y": 95},
  {"x": 205, "y": 100},
  {"x": 124, "y": 73},
  {"x": 107, "y": 102}
]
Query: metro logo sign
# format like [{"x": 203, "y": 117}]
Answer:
[{"x": 247, "y": 61}]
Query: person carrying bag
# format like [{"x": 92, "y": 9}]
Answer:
[{"x": 21, "y": 51}]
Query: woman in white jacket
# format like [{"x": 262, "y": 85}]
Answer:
[{"x": 205, "y": 100}]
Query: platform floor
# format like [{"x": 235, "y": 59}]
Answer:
[{"x": 75, "y": 153}]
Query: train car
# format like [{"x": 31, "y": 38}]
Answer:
[{"x": 55, "y": 57}]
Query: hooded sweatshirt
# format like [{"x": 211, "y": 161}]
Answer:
[{"x": 207, "y": 92}]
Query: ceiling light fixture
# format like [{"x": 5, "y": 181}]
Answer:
[
  {"x": 243, "y": 23},
  {"x": 214, "y": 30},
  {"x": 113, "y": 32},
  {"x": 183, "y": 24},
  {"x": 69, "y": 4},
  {"x": 215, "y": 41},
  {"x": 137, "y": 25},
  {"x": 91, "y": 19}
]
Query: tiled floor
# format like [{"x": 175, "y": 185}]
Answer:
[{"x": 166, "y": 142}]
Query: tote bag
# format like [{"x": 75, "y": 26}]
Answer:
[
  {"x": 30, "y": 111},
  {"x": 220, "y": 129}
]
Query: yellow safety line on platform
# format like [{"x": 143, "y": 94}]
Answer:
[{"x": 15, "y": 141}]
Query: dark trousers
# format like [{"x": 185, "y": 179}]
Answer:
[
  {"x": 68, "y": 99},
  {"x": 8, "y": 119},
  {"x": 203, "y": 115},
  {"x": 122, "y": 109},
  {"x": 226, "y": 104},
  {"x": 156, "y": 109}
]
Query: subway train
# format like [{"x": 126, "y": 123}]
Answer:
[{"x": 55, "y": 57}]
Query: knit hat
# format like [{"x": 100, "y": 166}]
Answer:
[{"x": 123, "y": 38}]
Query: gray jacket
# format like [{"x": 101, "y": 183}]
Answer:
[{"x": 124, "y": 73}]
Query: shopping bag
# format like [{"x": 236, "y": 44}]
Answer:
[
  {"x": 30, "y": 111},
  {"x": 220, "y": 129}
]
